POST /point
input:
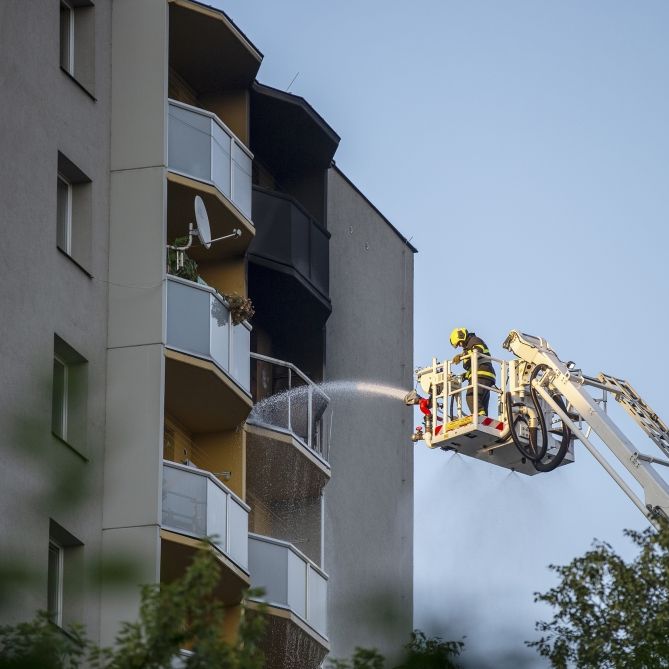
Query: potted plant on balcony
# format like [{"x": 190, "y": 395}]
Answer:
[
  {"x": 178, "y": 262},
  {"x": 241, "y": 308}
]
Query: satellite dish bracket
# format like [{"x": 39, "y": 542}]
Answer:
[{"x": 200, "y": 230}]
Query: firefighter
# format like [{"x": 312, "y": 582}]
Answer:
[{"x": 485, "y": 374}]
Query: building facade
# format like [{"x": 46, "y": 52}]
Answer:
[{"x": 144, "y": 385}]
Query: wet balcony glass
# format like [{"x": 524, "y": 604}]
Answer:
[
  {"x": 290, "y": 580},
  {"x": 201, "y": 146},
  {"x": 199, "y": 323},
  {"x": 288, "y": 400},
  {"x": 287, "y": 234},
  {"x": 197, "y": 504}
]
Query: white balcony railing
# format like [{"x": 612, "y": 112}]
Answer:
[
  {"x": 288, "y": 400},
  {"x": 199, "y": 323},
  {"x": 201, "y": 146},
  {"x": 290, "y": 580},
  {"x": 197, "y": 504}
]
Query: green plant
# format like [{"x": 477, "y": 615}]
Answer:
[
  {"x": 183, "y": 614},
  {"x": 608, "y": 612},
  {"x": 188, "y": 270},
  {"x": 422, "y": 652}
]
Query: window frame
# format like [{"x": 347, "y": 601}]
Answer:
[
  {"x": 67, "y": 8},
  {"x": 60, "y": 430},
  {"x": 69, "y": 397},
  {"x": 61, "y": 179},
  {"x": 55, "y": 617}
]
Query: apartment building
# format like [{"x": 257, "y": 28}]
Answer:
[{"x": 143, "y": 384}]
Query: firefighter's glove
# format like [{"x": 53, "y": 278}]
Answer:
[{"x": 457, "y": 358}]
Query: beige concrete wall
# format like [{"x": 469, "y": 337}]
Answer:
[{"x": 137, "y": 233}]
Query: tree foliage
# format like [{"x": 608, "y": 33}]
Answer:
[
  {"x": 184, "y": 614},
  {"x": 609, "y": 613},
  {"x": 422, "y": 652}
]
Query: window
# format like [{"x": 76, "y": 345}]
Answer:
[
  {"x": 64, "y": 576},
  {"x": 77, "y": 42},
  {"x": 59, "y": 401},
  {"x": 67, "y": 37},
  {"x": 55, "y": 583},
  {"x": 64, "y": 220},
  {"x": 73, "y": 212},
  {"x": 69, "y": 395}
]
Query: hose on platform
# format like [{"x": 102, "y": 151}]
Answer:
[{"x": 535, "y": 453}]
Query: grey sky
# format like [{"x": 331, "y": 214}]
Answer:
[{"x": 523, "y": 146}]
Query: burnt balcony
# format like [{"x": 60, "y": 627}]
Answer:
[
  {"x": 287, "y": 454},
  {"x": 203, "y": 148},
  {"x": 287, "y": 400},
  {"x": 208, "y": 365},
  {"x": 287, "y": 430},
  {"x": 291, "y": 241}
]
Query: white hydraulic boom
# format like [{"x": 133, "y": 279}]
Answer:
[{"x": 544, "y": 404}]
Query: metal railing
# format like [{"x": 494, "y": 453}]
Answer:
[
  {"x": 287, "y": 234},
  {"x": 290, "y": 580},
  {"x": 199, "y": 323},
  {"x": 456, "y": 398},
  {"x": 197, "y": 504},
  {"x": 200, "y": 145},
  {"x": 287, "y": 399}
]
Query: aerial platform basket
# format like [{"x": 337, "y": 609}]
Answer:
[{"x": 453, "y": 426}]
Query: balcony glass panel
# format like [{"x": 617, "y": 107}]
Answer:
[
  {"x": 199, "y": 323},
  {"x": 189, "y": 143},
  {"x": 239, "y": 361},
  {"x": 203, "y": 147},
  {"x": 290, "y": 580},
  {"x": 317, "y": 600},
  {"x": 297, "y": 403},
  {"x": 219, "y": 328},
  {"x": 241, "y": 180},
  {"x": 221, "y": 160},
  {"x": 297, "y": 585},
  {"x": 272, "y": 239},
  {"x": 217, "y": 514},
  {"x": 184, "y": 502},
  {"x": 197, "y": 504},
  {"x": 268, "y": 566},
  {"x": 238, "y": 519},
  {"x": 300, "y": 233},
  {"x": 285, "y": 233},
  {"x": 187, "y": 319},
  {"x": 319, "y": 256}
]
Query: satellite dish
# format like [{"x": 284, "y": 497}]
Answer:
[{"x": 202, "y": 222}]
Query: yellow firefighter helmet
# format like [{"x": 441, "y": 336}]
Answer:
[{"x": 458, "y": 337}]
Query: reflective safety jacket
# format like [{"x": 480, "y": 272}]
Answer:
[{"x": 485, "y": 368}]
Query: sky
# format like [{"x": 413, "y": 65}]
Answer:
[{"x": 522, "y": 146}]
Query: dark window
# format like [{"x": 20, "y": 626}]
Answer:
[
  {"x": 69, "y": 395},
  {"x": 73, "y": 211}
]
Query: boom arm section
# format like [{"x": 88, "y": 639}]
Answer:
[{"x": 561, "y": 378}]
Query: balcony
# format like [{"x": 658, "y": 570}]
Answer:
[
  {"x": 286, "y": 431},
  {"x": 295, "y": 593},
  {"x": 197, "y": 505},
  {"x": 291, "y": 241},
  {"x": 207, "y": 361},
  {"x": 202, "y": 147}
]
